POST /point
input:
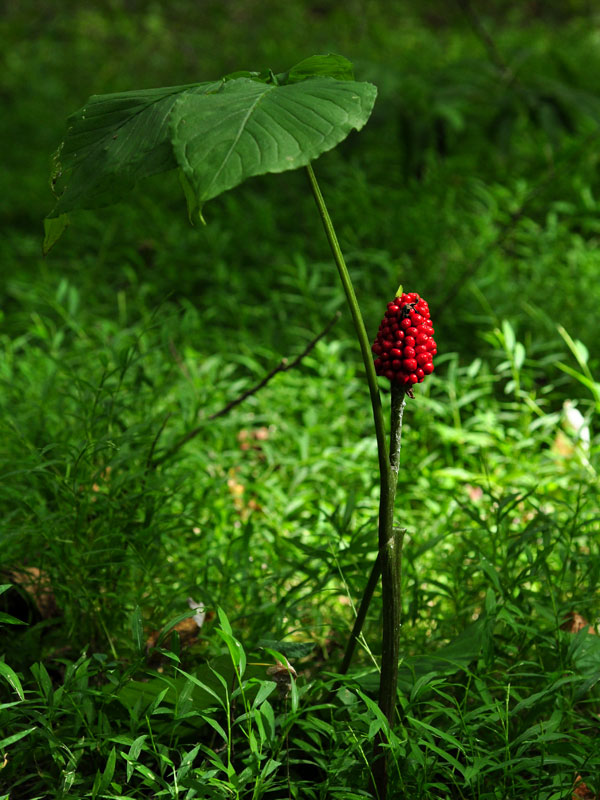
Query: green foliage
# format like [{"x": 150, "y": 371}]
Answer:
[{"x": 218, "y": 133}]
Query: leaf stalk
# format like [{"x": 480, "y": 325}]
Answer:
[{"x": 359, "y": 325}]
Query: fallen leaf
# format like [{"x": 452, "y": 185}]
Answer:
[
  {"x": 36, "y": 583},
  {"x": 282, "y": 674},
  {"x": 581, "y": 791},
  {"x": 574, "y": 623}
]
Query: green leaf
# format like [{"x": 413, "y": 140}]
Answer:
[
  {"x": 15, "y": 737},
  {"x": 170, "y": 625},
  {"x": 288, "y": 649},
  {"x": 7, "y": 619},
  {"x": 134, "y": 753},
  {"x": 12, "y": 678},
  {"x": 331, "y": 66},
  {"x": 111, "y": 143},
  {"x": 108, "y": 773},
  {"x": 250, "y": 128},
  {"x": 218, "y": 133},
  {"x": 224, "y": 620},
  {"x": 452, "y": 658},
  {"x": 44, "y": 681},
  {"x": 54, "y": 227}
]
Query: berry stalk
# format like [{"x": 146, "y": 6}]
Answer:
[
  {"x": 359, "y": 325},
  {"x": 391, "y": 539},
  {"x": 404, "y": 350}
]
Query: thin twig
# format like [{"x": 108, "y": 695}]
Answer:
[
  {"x": 149, "y": 460},
  {"x": 283, "y": 366}
]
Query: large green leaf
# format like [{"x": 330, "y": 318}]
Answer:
[
  {"x": 217, "y": 133},
  {"x": 249, "y": 128},
  {"x": 114, "y": 141}
]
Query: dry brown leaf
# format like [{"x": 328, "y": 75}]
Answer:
[
  {"x": 562, "y": 446},
  {"x": 236, "y": 489},
  {"x": 475, "y": 492},
  {"x": 36, "y": 584},
  {"x": 282, "y": 674},
  {"x": 248, "y": 438},
  {"x": 574, "y": 623},
  {"x": 187, "y": 629},
  {"x": 581, "y": 791}
]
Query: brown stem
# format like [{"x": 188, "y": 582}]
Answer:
[
  {"x": 283, "y": 366},
  {"x": 390, "y": 554}
]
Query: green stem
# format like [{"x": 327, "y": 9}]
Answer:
[
  {"x": 359, "y": 325},
  {"x": 390, "y": 538},
  {"x": 365, "y": 601}
]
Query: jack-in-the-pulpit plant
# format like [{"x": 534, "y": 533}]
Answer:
[{"x": 217, "y": 134}]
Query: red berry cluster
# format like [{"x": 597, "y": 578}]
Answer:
[{"x": 405, "y": 347}]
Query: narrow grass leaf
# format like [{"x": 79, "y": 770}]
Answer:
[
  {"x": 12, "y": 678},
  {"x": 137, "y": 629},
  {"x": 108, "y": 773},
  {"x": 8, "y": 740},
  {"x": 133, "y": 755}
]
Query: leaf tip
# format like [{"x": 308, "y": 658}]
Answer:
[{"x": 54, "y": 227}]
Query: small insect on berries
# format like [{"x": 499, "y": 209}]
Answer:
[{"x": 411, "y": 353}]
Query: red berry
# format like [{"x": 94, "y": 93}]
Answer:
[{"x": 404, "y": 347}]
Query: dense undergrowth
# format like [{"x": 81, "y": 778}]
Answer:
[{"x": 475, "y": 183}]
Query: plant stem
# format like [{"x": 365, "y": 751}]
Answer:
[
  {"x": 357, "y": 319},
  {"x": 365, "y": 601},
  {"x": 397, "y": 412},
  {"x": 390, "y": 555}
]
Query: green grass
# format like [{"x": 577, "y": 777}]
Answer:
[{"x": 477, "y": 192}]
